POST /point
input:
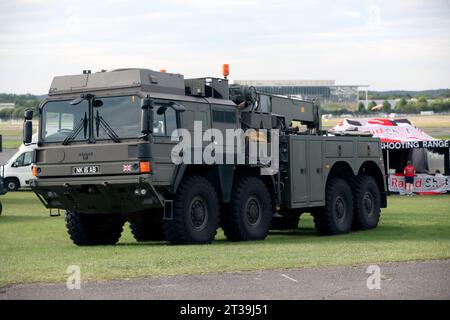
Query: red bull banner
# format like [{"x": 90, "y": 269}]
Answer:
[{"x": 423, "y": 183}]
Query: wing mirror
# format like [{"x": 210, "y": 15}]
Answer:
[
  {"x": 147, "y": 116},
  {"x": 27, "y": 126}
]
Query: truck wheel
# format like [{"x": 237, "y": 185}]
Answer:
[
  {"x": 12, "y": 184},
  {"x": 94, "y": 229},
  {"x": 195, "y": 213},
  {"x": 250, "y": 211},
  {"x": 337, "y": 215},
  {"x": 366, "y": 203},
  {"x": 147, "y": 226}
]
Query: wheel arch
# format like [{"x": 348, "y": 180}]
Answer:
[
  {"x": 5, "y": 180},
  {"x": 220, "y": 176},
  {"x": 342, "y": 170}
]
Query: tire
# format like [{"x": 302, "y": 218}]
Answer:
[
  {"x": 289, "y": 222},
  {"x": 337, "y": 215},
  {"x": 366, "y": 203},
  {"x": 195, "y": 213},
  {"x": 94, "y": 229},
  {"x": 250, "y": 211},
  {"x": 147, "y": 226},
  {"x": 12, "y": 184},
  {"x": 1, "y": 208}
]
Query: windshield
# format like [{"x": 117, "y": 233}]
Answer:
[
  {"x": 121, "y": 114},
  {"x": 59, "y": 118}
]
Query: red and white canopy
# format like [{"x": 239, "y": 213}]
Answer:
[{"x": 394, "y": 134}]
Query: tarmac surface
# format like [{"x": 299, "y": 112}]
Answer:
[
  {"x": 406, "y": 280},
  {"x": 6, "y": 154}
]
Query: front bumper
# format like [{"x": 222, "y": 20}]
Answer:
[{"x": 99, "y": 194}]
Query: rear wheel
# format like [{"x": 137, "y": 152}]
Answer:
[
  {"x": 147, "y": 226},
  {"x": 250, "y": 211},
  {"x": 94, "y": 229},
  {"x": 12, "y": 184},
  {"x": 195, "y": 213},
  {"x": 366, "y": 203},
  {"x": 337, "y": 215}
]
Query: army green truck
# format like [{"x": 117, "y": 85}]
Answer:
[{"x": 109, "y": 152}]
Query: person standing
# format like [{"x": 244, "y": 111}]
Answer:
[{"x": 409, "y": 173}]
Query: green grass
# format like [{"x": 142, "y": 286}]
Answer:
[
  {"x": 442, "y": 137},
  {"x": 11, "y": 144},
  {"x": 36, "y": 248}
]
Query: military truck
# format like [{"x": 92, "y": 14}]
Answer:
[{"x": 105, "y": 156}]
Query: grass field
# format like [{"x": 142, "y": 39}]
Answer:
[{"x": 36, "y": 248}]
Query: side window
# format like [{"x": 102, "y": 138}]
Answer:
[
  {"x": 19, "y": 161},
  {"x": 27, "y": 159},
  {"x": 171, "y": 121},
  {"x": 164, "y": 124},
  {"x": 159, "y": 128}
]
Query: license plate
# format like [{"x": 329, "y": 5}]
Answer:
[{"x": 86, "y": 170}]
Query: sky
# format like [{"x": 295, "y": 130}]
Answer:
[{"x": 387, "y": 44}]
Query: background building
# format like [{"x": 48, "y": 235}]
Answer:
[
  {"x": 325, "y": 90},
  {"x": 7, "y": 105}
]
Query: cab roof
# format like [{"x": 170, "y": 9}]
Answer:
[{"x": 145, "y": 79}]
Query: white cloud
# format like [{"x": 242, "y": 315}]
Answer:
[{"x": 275, "y": 39}]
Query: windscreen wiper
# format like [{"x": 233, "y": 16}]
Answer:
[
  {"x": 82, "y": 124},
  {"x": 100, "y": 122}
]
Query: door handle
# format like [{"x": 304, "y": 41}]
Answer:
[{"x": 302, "y": 170}]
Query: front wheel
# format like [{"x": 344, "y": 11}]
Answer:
[
  {"x": 94, "y": 229},
  {"x": 195, "y": 213},
  {"x": 147, "y": 226},
  {"x": 12, "y": 184}
]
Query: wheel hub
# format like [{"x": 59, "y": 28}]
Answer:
[
  {"x": 199, "y": 214},
  {"x": 253, "y": 211},
  {"x": 368, "y": 203},
  {"x": 340, "y": 207}
]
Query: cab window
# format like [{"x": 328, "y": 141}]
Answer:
[
  {"x": 25, "y": 159},
  {"x": 164, "y": 124}
]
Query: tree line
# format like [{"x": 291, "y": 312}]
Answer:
[
  {"x": 21, "y": 101},
  {"x": 29, "y": 101},
  {"x": 402, "y": 106}
]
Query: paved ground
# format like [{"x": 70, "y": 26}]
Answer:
[
  {"x": 6, "y": 154},
  {"x": 411, "y": 280}
]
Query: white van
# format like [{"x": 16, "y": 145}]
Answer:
[{"x": 16, "y": 172}]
